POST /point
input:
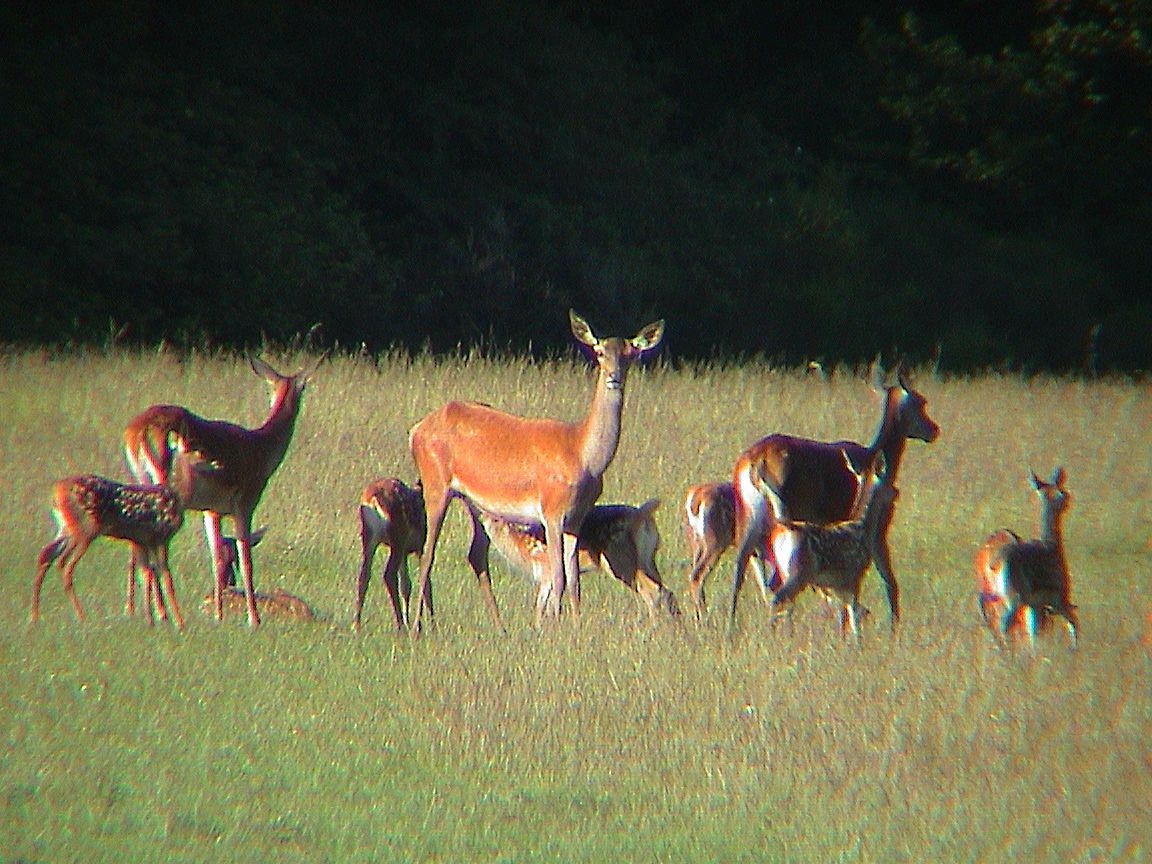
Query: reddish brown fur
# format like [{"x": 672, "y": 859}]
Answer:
[
  {"x": 391, "y": 515},
  {"x": 525, "y": 470}
]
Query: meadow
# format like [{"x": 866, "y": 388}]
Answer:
[{"x": 598, "y": 738}]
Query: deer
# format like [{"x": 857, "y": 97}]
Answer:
[
  {"x": 834, "y": 557},
  {"x": 618, "y": 538},
  {"x": 814, "y": 484},
  {"x": 244, "y": 461},
  {"x": 392, "y": 515},
  {"x": 526, "y": 470},
  {"x": 147, "y": 516},
  {"x": 709, "y": 527},
  {"x": 1019, "y": 581}
]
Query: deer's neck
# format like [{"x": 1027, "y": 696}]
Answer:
[
  {"x": 1051, "y": 533},
  {"x": 891, "y": 437},
  {"x": 600, "y": 430},
  {"x": 276, "y": 431}
]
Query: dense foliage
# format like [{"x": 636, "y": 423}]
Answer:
[{"x": 965, "y": 181}]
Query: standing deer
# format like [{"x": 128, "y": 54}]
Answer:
[
  {"x": 815, "y": 485},
  {"x": 709, "y": 527},
  {"x": 244, "y": 460},
  {"x": 392, "y": 515},
  {"x": 619, "y": 538},
  {"x": 526, "y": 470},
  {"x": 835, "y": 557},
  {"x": 86, "y": 506},
  {"x": 1018, "y": 580}
]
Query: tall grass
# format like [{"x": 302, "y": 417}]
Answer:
[{"x": 601, "y": 738}]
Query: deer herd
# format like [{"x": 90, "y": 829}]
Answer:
[{"x": 800, "y": 512}]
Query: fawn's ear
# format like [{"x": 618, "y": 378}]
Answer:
[{"x": 1058, "y": 478}]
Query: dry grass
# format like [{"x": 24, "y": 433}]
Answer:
[{"x": 600, "y": 738}]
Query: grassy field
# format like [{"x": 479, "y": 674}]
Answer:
[{"x": 599, "y": 738}]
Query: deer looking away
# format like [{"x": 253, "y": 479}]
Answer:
[
  {"x": 392, "y": 515},
  {"x": 1018, "y": 580},
  {"x": 86, "y": 506},
  {"x": 709, "y": 527},
  {"x": 531, "y": 471},
  {"x": 813, "y": 483},
  {"x": 835, "y": 557},
  {"x": 243, "y": 461},
  {"x": 619, "y": 538}
]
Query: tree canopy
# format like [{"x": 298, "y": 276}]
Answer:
[{"x": 965, "y": 182}]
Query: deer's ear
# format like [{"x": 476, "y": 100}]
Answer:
[
  {"x": 1058, "y": 477},
  {"x": 581, "y": 330},
  {"x": 649, "y": 337}
]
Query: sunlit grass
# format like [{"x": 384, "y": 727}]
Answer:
[{"x": 602, "y": 738}]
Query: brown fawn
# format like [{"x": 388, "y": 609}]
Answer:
[
  {"x": 1020, "y": 581},
  {"x": 87, "y": 506},
  {"x": 709, "y": 527},
  {"x": 835, "y": 557},
  {"x": 619, "y": 538},
  {"x": 243, "y": 461},
  {"x": 392, "y": 515}
]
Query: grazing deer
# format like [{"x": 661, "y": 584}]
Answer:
[
  {"x": 391, "y": 514},
  {"x": 814, "y": 484},
  {"x": 1018, "y": 581},
  {"x": 244, "y": 460},
  {"x": 836, "y": 556},
  {"x": 709, "y": 526},
  {"x": 619, "y": 538},
  {"x": 526, "y": 470},
  {"x": 86, "y": 506}
]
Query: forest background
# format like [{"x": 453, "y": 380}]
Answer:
[{"x": 966, "y": 183}]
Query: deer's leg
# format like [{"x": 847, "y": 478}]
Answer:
[
  {"x": 244, "y": 551},
  {"x": 216, "y": 553},
  {"x": 571, "y": 562},
  {"x": 130, "y": 592},
  {"x": 882, "y": 557},
  {"x": 68, "y": 589},
  {"x": 391, "y": 579},
  {"x": 749, "y": 540},
  {"x": 436, "y": 514},
  {"x": 478, "y": 559},
  {"x": 43, "y": 561},
  {"x": 368, "y": 543},
  {"x": 166, "y": 571}
]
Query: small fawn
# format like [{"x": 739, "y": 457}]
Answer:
[
  {"x": 1020, "y": 581},
  {"x": 834, "y": 558},
  {"x": 619, "y": 538},
  {"x": 392, "y": 515},
  {"x": 87, "y": 506},
  {"x": 710, "y": 527}
]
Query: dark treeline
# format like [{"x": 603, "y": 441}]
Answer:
[{"x": 965, "y": 181}]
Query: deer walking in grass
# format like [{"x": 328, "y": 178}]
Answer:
[
  {"x": 392, "y": 515},
  {"x": 147, "y": 516},
  {"x": 619, "y": 538},
  {"x": 1018, "y": 581},
  {"x": 814, "y": 484},
  {"x": 835, "y": 557},
  {"x": 244, "y": 460},
  {"x": 527, "y": 470},
  {"x": 709, "y": 527}
]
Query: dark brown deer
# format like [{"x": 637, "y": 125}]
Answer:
[
  {"x": 1019, "y": 583},
  {"x": 815, "y": 485},
  {"x": 244, "y": 460},
  {"x": 147, "y": 516}
]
